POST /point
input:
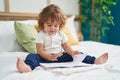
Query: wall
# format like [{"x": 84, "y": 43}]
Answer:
[
  {"x": 35, "y": 6},
  {"x": 2, "y": 5}
]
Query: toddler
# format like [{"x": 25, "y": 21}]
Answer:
[{"x": 51, "y": 41}]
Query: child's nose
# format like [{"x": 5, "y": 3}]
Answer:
[{"x": 52, "y": 28}]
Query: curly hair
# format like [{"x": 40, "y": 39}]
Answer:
[{"x": 54, "y": 13}]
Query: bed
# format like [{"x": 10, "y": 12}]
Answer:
[{"x": 10, "y": 49}]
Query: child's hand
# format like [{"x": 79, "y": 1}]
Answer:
[
  {"x": 75, "y": 52},
  {"x": 53, "y": 57}
]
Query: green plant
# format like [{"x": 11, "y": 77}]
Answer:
[{"x": 95, "y": 17}]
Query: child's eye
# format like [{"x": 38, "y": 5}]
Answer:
[
  {"x": 49, "y": 25},
  {"x": 56, "y": 25}
]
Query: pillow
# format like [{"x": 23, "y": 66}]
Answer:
[
  {"x": 26, "y": 35},
  {"x": 8, "y": 40},
  {"x": 71, "y": 39},
  {"x": 71, "y": 26}
]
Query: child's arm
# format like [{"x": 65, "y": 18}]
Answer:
[
  {"x": 69, "y": 50},
  {"x": 42, "y": 53}
]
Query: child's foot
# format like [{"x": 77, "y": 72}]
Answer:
[
  {"x": 22, "y": 67},
  {"x": 102, "y": 59}
]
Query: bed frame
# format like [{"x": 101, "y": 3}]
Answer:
[
  {"x": 18, "y": 16},
  {"x": 7, "y": 15},
  {"x": 22, "y": 16}
]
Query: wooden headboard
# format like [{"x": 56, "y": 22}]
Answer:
[
  {"x": 18, "y": 16},
  {"x": 22, "y": 16},
  {"x": 7, "y": 15}
]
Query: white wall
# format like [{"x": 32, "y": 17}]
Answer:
[
  {"x": 68, "y": 6},
  {"x": 35, "y": 6},
  {"x": 2, "y": 6},
  {"x": 32, "y": 6}
]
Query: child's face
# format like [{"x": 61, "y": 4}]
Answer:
[{"x": 51, "y": 27}]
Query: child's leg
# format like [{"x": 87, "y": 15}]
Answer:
[
  {"x": 65, "y": 58},
  {"x": 89, "y": 59},
  {"x": 92, "y": 60},
  {"x": 31, "y": 61},
  {"x": 102, "y": 59},
  {"x": 22, "y": 67}
]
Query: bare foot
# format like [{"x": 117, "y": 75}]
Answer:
[
  {"x": 102, "y": 59},
  {"x": 22, "y": 67}
]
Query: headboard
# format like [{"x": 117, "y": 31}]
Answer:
[
  {"x": 7, "y": 15},
  {"x": 22, "y": 16},
  {"x": 18, "y": 16}
]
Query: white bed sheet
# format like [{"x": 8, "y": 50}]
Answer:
[{"x": 108, "y": 71}]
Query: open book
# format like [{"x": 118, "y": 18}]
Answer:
[{"x": 75, "y": 63}]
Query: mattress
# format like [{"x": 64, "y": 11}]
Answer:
[{"x": 108, "y": 71}]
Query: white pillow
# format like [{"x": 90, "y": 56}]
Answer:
[
  {"x": 8, "y": 40},
  {"x": 71, "y": 27},
  {"x": 7, "y": 37}
]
